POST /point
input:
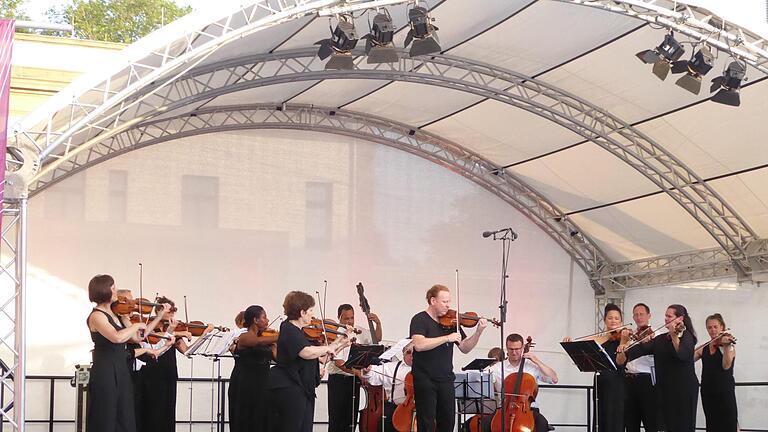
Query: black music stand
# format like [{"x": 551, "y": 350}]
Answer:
[
  {"x": 361, "y": 356},
  {"x": 589, "y": 356},
  {"x": 474, "y": 390}
]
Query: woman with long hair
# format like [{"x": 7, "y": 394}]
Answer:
[
  {"x": 718, "y": 389},
  {"x": 675, "y": 374},
  {"x": 248, "y": 382}
]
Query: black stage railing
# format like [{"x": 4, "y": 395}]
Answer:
[{"x": 221, "y": 394}]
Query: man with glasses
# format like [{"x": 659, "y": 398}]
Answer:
[
  {"x": 533, "y": 366},
  {"x": 391, "y": 376}
]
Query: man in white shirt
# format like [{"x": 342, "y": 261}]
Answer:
[
  {"x": 640, "y": 403},
  {"x": 343, "y": 383},
  {"x": 391, "y": 376},
  {"x": 533, "y": 366}
]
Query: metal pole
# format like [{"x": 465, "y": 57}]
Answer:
[{"x": 19, "y": 383}]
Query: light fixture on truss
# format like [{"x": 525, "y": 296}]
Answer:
[
  {"x": 728, "y": 85},
  {"x": 695, "y": 68},
  {"x": 378, "y": 43},
  {"x": 340, "y": 45},
  {"x": 663, "y": 56},
  {"x": 422, "y": 33}
]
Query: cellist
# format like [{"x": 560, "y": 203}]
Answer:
[
  {"x": 533, "y": 366},
  {"x": 391, "y": 376}
]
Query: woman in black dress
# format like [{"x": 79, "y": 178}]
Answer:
[
  {"x": 159, "y": 379},
  {"x": 248, "y": 382},
  {"x": 293, "y": 380},
  {"x": 110, "y": 391},
  {"x": 718, "y": 389},
  {"x": 609, "y": 385},
  {"x": 675, "y": 375}
]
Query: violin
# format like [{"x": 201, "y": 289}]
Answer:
[
  {"x": 468, "y": 319},
  {"x": 317, "y": 331},
  {"x": 196, "y": 328},
  {"x": 718, "y": 340},
  {"x": 641, "y": 333},
  {"x": 404, "y": 417},
  {"x": 269, "y": 333},
  {"x": 520, "y": 390},
  {"x": 152, "y": 338},
  {"x": 125, "y": 306}
]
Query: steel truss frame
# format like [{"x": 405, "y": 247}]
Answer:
[
  {"x": 207, "y": 82},
  {"x": 695, "y": 22}
]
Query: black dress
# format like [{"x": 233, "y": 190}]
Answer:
[
  {"x": 158, "y": 380},
  {"x": 110, "y": 392},
  {"x": 609, "y": 387},
  {"x": 248, "y": 389},
  {"x": 292, "y": 383},
  {"x": 718, "y": 393},
  {"x": 677, "y": 385}
]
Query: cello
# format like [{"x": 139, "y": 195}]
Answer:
[
  {"x": 370, "y": 416},
  {"x": 404, "y": 417},
  {"x": 520, "y": 390}
]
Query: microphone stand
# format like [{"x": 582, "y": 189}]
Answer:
[{"x": 507, "y": 237}]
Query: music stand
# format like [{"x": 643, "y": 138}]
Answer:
[
  {"x": 361, "y": 356},
  {"x": 589, "y": 356},
  {"x": 474, "y": 390}
]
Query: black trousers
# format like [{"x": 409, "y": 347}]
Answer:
[
  {"x": 640, "y": 404},
  {"x": 435, "y": 404},
  {"x": 292, "y": 410},
  {"x": 720, "y": 410},
  {"x": 343, "y": 402}
]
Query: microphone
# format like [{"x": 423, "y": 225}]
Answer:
[{"x": 513, "y": 234}]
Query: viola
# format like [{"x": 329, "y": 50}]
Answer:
[
  {"x": 370, "y": 416},
  {"x": 152, "y": 338},
  {"x": 125, "y": 306},
  {"x": 269, "y": 333},
  {"x": 317, "y": 331},
  {"x": 404, "y": 417},
  {"x": 196, "y": 328},
  {"x": 520, "y": 390},
  {"x": 468, "y": 319}
]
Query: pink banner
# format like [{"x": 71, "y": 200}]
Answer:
[{"x": 7, "y": 28}]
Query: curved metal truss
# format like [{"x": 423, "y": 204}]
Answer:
[
  {"x": 330, "y": 120},
  {"x": 611, "y": 133},
  {"x": 697, "y": 23}
]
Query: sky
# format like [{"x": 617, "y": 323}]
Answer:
[{"x": 752, "y": 14}]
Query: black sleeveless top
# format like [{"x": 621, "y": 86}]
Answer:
[
  {"x": 103, "y": 349},
  {"x": 715, "y": 379}
]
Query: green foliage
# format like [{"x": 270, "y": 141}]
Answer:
[
  {"x": 123, "y": 21},
  {"x": 12, "y": 9}
]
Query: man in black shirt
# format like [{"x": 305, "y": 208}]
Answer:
[{"x": 433, "y": 361}]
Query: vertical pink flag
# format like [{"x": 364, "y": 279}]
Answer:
[{"x": 7, "y": 28}]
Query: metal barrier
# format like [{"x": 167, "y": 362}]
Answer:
[{"x": 220, "y": 386}]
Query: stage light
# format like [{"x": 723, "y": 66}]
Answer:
[
  {"x": 729, "y": 84},
  {"x": 695, "y": 68},
  {"x": 662, "y": 56},
  {"x": 422, "y": 33},
  {"x": 339, "y": 47},
  {"x": 378, "y": 43}
]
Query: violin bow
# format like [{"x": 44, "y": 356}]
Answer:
[
  {"x": 321, "y": 307},
  {"x": 141, "y": 292},
  {"x": 458, "y": 303}
]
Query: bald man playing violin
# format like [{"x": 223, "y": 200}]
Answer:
[{"x": 433, "y": 361}]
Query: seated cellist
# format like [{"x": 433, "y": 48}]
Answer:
[
  {"x": 533, "y": 366},
  {"x": 391, "y": 376}
]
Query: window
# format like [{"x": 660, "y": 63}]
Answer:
[{"x": 319, "y": 215}]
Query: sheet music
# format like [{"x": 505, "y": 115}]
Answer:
[
  {"x": 214, "y": 343},
  {"x": 396, "y": 350}
]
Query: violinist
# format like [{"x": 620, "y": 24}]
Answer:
[
  {"x": 344, "y": 383},
  {"x": 433, "y": 361},
  {"x": 248, "y": 382},
  {"x": 718, "y": 395},
  {"x": 110, "y": 405},
  {"x": 139, "y": 353},
  {"x": 609, "y": 385},
  {"x": 293, "y": 380},
  {"x": 641, "y": 402},
  {"x": 676, "y": 380},
  {"x": 159, "y": 378},
  {"x": 391, "y": 376}
]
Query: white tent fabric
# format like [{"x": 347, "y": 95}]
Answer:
[{"x": 585, "y": 51}]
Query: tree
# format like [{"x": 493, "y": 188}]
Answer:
[
  {"x": 11, "y": 9},
  {"x": 123, "y": 21}
]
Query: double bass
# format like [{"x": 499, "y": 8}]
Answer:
[
  {"x": 370, "y": 416},
  {"x": 520, "y": 390}
]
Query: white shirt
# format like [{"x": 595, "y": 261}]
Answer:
[
  {"x": 364, "y": 337},
  {"x": 529, "y": 368},
  {"x": 382, "y": 375},
  {"x": 145, "y": 344}
]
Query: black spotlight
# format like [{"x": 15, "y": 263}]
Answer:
[
  {"x": 422, "y": 33},
  {"x": 695, "y": 68},
  {"x": 662, "y": 56},
  {"x": 339, "y": 47},
  {"x": 729, "y": 84},
  {"x": 378, "y": 44}
]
